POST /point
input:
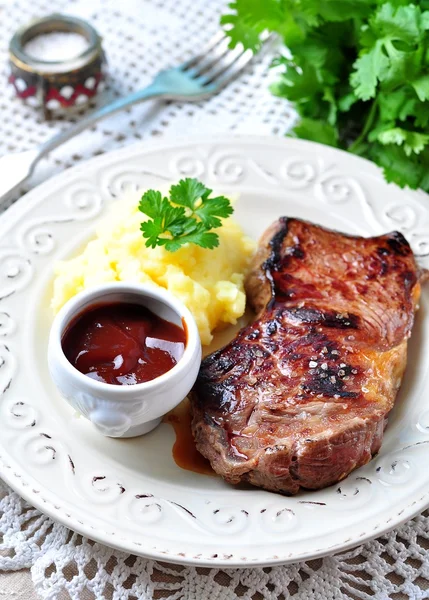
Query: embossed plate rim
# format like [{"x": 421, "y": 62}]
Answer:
[{"x": 22, "y": 481}]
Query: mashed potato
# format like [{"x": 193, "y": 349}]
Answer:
[{"x": 208, "y": 282}]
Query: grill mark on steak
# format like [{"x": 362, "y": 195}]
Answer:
[
  {"x": 300, "y": 397},
  {"x": 329, "y": 319},
  {"x": 399, "y": 244}
]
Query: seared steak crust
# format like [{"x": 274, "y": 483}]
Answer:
[{"x": 300, "y": 397}]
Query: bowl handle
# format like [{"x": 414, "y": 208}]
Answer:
[{"x": 110, "y": 423}]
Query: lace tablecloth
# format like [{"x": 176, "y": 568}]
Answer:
[{"x": 39, "y": 558}]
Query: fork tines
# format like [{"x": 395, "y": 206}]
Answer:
[{"x": 217, "y": 63}]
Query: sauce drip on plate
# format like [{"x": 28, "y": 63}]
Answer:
[
  {"x": 185, "y": 453},
  {"x": 123, "y": 344}
]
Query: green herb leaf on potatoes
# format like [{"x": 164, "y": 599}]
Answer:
[{"x": 185, "y": 217}]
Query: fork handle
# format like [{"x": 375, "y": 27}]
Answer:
[{"x": 151, "y": 91}]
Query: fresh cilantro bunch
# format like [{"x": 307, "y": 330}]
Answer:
[
  {"x": 357, "y": 72},
  {"x": 186, "y": 217}
]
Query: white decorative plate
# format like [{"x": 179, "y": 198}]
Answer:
[{"x": 129, "y": 493}]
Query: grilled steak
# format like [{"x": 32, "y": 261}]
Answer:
[{"x": 300, "y": 397}]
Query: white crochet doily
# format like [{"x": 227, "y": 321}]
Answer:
[{"x": 141, "y": 37}]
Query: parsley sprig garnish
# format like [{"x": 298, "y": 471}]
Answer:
[{"x": 187, "y": 216}]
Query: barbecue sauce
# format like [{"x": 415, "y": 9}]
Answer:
[
  {"x": 123, "y": 344},
  {"x": 185, "y": 453}
]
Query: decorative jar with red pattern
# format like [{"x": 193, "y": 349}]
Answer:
[{"x": 60, "y": 83}]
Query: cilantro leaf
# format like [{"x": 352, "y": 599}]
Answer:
[
  {"x": 346, "y": 102},
  {"x": 421, "y": 114},
  {"x": 399, "y": 104},
  {"x": 296, "y": 85},
  {"x": 151, "y": 231},
  {"x": 397, "y": 167},
  {"x": 196, "y": 196},
  {"x": 187, "y": 192},
  {"x": 389, "y": 52},
  {"x": 421, "y": 87},
  {"x": 241, "y": 33},
  {"x": 200, "y": 237},
  {"x": 249, "y": 18},
  {"x": 401, "y": 24},
  {"x": 152, "y": 203},
  {"x": 316, "y": 131},
  {"x": 186, "y": 217},
  {"x": 212, "y": 210},
  {"x": 412, "y": 141},
  {"x": 369, "y": 69},
  {"x": 166, "y": 218}
]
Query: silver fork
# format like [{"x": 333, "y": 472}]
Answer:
[{"x": 196, "y": 79}]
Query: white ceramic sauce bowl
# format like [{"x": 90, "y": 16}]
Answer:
[{"x": 125, "y": 410}]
